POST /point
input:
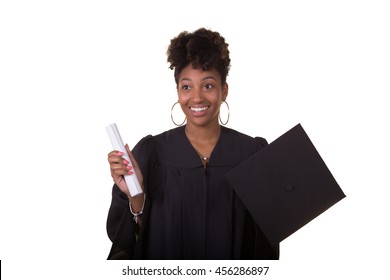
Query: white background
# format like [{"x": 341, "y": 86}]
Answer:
[{"x": 69, "y": 68}]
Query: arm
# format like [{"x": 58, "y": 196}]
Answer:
[{"x": 121, "y": 228}]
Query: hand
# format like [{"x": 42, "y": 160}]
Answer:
[{"x": 120, "y": 167}]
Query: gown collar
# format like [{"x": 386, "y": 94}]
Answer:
[{"x": 176, "y": 150}]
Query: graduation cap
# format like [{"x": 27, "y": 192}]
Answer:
[{"x": 285, "y": 185}]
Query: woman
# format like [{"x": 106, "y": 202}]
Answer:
[{"x": 188, "y": 209}]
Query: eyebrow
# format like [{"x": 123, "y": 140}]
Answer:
[{"x": 205, "y": 78}]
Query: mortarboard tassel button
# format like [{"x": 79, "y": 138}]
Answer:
[{"x": 289, "y": 188}]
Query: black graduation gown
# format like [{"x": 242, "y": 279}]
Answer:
[{"x": 190, "y": 212}]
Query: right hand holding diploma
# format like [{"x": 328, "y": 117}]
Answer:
[{"x": 120, "y": 167}]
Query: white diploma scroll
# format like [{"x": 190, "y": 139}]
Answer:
[{"x": 117, "y": 143}]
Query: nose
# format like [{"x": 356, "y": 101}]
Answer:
[{"x": 197, "y": 95}]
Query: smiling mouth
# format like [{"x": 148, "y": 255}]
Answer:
[{"x": 199, "y": 109}]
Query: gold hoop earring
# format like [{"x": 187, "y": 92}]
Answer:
[
  {"x": 219, "y": 116},
  {"x": 177, "y": 102}
]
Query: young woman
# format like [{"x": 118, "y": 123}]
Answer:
[{"x": 188, "y": 209}]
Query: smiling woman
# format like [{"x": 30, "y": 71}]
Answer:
[{"x": 189, "y": 210}]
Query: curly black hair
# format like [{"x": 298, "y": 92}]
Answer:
[{"x": 203, "y": 48}]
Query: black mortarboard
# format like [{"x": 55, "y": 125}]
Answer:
[{"x": 285, "y": 185}]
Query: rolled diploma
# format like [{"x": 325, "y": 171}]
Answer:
[{"x": 117, "y": 143}]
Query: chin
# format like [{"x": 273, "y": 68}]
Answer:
[{"x": 202, "y": 123}]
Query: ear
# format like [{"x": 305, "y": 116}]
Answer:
[{"x": 225, "y": 91}]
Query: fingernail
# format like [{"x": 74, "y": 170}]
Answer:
[
  {"x": 125, "y": 161},
  {"x": 128, "y": 167},
  {"x": 120, "y": 153},
  {"x": 130, "y": 172}
]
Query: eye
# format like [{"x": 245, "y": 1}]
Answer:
[
  {"x": 208, "y": 86},
  {"x": 185, "y": 87}
]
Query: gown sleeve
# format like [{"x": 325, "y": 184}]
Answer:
[{"x": 121, "y": 229}]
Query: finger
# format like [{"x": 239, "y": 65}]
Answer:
[
  {"x": 116, "y": 159},
  {"x": 120, "y": 166},
  {"x": 131, "y": 156},
  {"x": 121, "y": 172},
  {"x": 128, "y": 149},
  {"x": 115, "y": 153}
]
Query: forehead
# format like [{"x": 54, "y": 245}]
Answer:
[{"x": 193, "y": 74}]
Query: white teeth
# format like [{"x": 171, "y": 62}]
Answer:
[{"x": 198, "y": 109}]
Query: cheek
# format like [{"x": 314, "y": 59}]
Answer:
[
  {"x": 183, "y": 98},
  {"x": 216, "y": 99},
  {"x": 183, "y": 102}
]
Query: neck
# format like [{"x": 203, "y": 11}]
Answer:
[{"x": 203, "y": 134}]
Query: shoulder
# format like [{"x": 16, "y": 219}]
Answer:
[
  {"x": 233, "y": 147},
  {"x": 169, "y": 139},
  {"x": 172, "y": 139},
  {"x": 143, "y": 144},
  {"x": 169, "y": 135},
  {"x": 242, "y": 139},
  {"x": 172, "y": 148}
]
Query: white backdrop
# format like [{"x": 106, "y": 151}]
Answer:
[{"x": 69, "y": 68}]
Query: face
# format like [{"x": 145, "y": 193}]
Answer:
[{"x": 200, "y": 95}]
